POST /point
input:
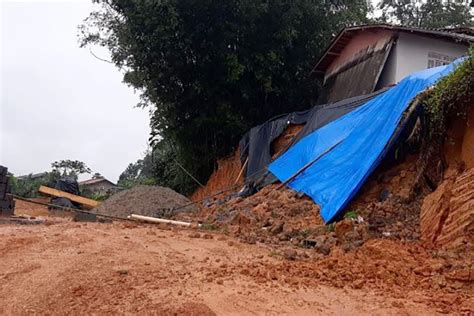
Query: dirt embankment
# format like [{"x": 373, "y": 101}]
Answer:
[{"x": 225, "y": 177}]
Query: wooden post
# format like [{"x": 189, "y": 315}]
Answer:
[{"x": 242, "y": 170}]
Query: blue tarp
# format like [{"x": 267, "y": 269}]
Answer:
[{"x": 336, "y": 177}]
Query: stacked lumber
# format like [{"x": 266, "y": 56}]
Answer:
[
  {"x": 85, "y": 202},
  {"x": 7, "y": 204}
]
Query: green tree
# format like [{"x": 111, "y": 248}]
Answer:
[
  {"x": 140, "y": 172},
  {"x": 211, "y": 69},
  {"x": 431, "y": 14},
  {"x": 70, "y": 168}
]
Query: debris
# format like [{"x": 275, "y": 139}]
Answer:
[{"x": 84, "y": 217}]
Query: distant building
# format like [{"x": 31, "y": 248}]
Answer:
[
  {"x": 98, "y": 185},
  {"x": 34, "y": 176},
  {"x": 363, "y": 59}
]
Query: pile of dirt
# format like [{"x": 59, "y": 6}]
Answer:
[
  {"x": 388, "y": 204},
  {"x": 144, "y": 200},
  {"x": 224, "y": 177},
  {"x": 279, "y": 217}
]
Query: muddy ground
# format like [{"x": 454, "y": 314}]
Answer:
[{"x": 66, "y": 267}]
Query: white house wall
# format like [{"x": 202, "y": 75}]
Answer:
[
  {"x": 389, "y": 72},
  {"x": 412, "y": 53}
]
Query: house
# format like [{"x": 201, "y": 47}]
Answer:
[
  {"x": 34, "y": 176},
  {"x": 98, "y": 185},
  {"x": 363, "y": 59}
]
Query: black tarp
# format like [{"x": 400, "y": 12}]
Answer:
[
  {"x": 68, "y": 185},
  {"x": 256, "y": 144}
]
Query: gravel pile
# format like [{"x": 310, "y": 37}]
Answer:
[{"x": 145, "y": 200}]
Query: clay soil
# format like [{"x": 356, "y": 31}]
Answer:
[{"x": 63, "y": 267}]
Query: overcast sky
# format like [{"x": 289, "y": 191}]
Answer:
[{"x": 57, "y": 100}]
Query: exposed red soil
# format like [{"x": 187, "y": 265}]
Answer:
[
  {"x": 223, "y": 178},
  {"x": 280, "y": 144},
  {"x": 25, "y": 208},
  {"x": 71, "y": 268},
  {"x": 447, "y": 215},
  {"x": 228, "y": 169}
]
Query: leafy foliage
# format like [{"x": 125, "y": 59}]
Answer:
[
  {"x": 211, "y": 69},
  {"x": 140, "y": 172},
  {"x": 70, "y": 168},
  {"x": 28, "y": 187},
  {"x": 158, "y": 167},
  {"x": 449, "y": 99},
  {"x": 431, "y": 14}
]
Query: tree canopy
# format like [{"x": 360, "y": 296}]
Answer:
[
  {"x": 431, "y": 14},
  {"x": 211, "y": 69},
  {"x": 70, "y": 168}
]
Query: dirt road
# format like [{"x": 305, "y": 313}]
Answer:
[{"x": 66, "y": 267}]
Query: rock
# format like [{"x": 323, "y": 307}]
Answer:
[
  {"x": 208, "y": 236},
  {"x": 343, "y": 227},
  {"x": 194, "y": 235},
  {"x": 84, "y": 217},
  {"x": 290, "y": 254},
  {"x": 250, "y": 239},
  {"x": 358, "y": 284},
  {"x": 241, "y": 219},
  {"x": 277, "y": 228}
]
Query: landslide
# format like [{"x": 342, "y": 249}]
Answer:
[{"x": 392, "y": 201}]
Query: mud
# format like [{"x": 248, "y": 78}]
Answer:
[{"x": 129, "y": 268}]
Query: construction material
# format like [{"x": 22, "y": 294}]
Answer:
[
  {"x": 145, "y": 200},
  {"x": 21, "y": 220},
  {"x": 69, "y": 209},
  {"x": 87, "y": 203},
  {"x": 7, "y": 204},
  {"x": 158, "y": 220}
]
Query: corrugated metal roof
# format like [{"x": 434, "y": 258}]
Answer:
[
  {"x": 344, "y": 37},
  {"x": 93, "y": 181}
]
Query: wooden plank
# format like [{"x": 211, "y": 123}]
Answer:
[
  {"x": 88, "y": 203},
  {"x": 158, "y": 220}
]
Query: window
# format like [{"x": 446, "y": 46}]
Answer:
[{"x": 437, "y": 59}]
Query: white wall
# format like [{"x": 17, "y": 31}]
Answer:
[
  {"x": 389, "y": 72},
  {"x": 412, "y": 52}
]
